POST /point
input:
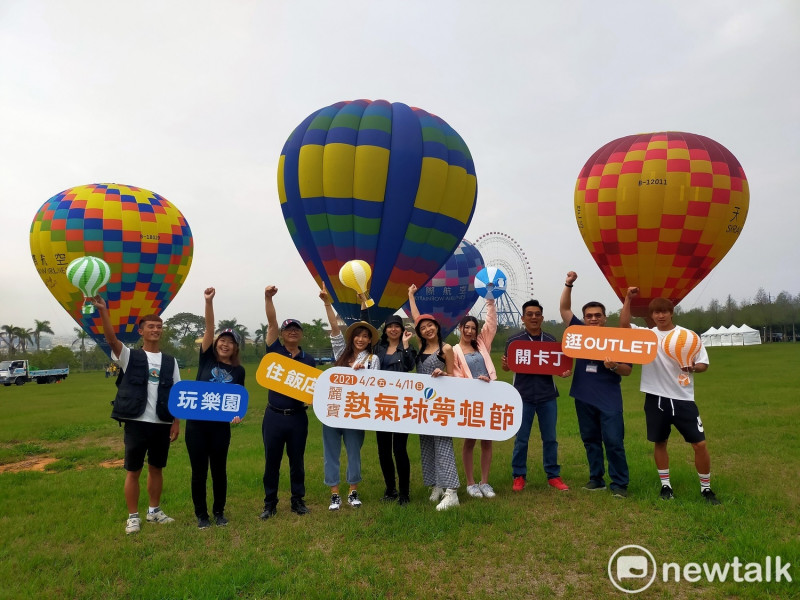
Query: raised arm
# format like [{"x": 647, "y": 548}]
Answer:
[
  {"x": 412, "y": 289},
  {"x": 625, "y": 313},
  {"x": 108, "y": 328},
  {"x": 273, "y": 331},
  {"x": 326, "y": 299},
  {"x": 208, "y": 336},
  {"x": 566, "y": 298}
]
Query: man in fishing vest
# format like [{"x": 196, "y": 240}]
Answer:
[{"x": 147, "y": 375}]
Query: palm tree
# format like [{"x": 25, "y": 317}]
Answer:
[
  {"x": 24, "y": 336},
  {"x": 40, "y": 328},
  {"x": 82, "y": 337},
  {"x": 261, "y": 333},
  {"x": 7, "y": 335}
]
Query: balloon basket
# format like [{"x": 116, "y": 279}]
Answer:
[
  {"x": 88, "y": 308},
  {"x": 684, "y": 379},
  {"x": 370, "y": 302}
]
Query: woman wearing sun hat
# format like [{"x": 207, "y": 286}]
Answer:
[
  {"x": 435, "y": 358},
  {"x": 354, "y": 350},
  {"x": 207, "y": 442}
]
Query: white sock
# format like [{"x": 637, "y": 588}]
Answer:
[
  {"x": 152, "y": 509},
  {"x": 664, "y": 475}
]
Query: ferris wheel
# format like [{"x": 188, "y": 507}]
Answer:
[{"x": 504, "y": 252}]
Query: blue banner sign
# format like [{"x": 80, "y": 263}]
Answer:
[{"x": 207, "y": 401}]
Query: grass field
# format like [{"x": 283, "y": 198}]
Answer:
[{"x": 62, "y": 530}]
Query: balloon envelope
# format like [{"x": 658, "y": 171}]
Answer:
[
  {"x": 658, "y": 211},
  {"x": 88, "y": 274},
  {"x": 490, "y": 283},
  {"x": 385, "y": 183},
  {"x": 142, "y": 236},
  {"x": 681, "y": 345},
  {"x": 450, "y": 293}
]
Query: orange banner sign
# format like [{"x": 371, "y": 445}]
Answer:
[
  {"x": 637, "y": 346},
  {"x": 287, "y": 376}
]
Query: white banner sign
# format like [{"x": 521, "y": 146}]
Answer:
[{"x": 411, "y": 403}]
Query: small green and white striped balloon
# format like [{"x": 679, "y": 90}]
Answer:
[{"x": 88, "y": 274}]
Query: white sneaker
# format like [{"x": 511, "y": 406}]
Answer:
[
  {"x": 336, "y": 502},
  {"x": 159, "y": 517},
  {"x": 487, "y": 490},
  {"x": 436, "y": 493},
  {"x": 353, "y": 499},
  {"x": 474, "y": 490},
  {"x": 133, "y": 525},
  {"x": 449, "y": 500}
]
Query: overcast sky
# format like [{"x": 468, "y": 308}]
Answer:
[{"x": 195, "y": 99}]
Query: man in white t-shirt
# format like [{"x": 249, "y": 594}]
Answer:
[
  {"x": 669, "y": 397},
  {"x": 141, "y": 404}
]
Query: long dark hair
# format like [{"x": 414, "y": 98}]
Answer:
[
  {"x": 423, "y": 342},
  {"x": 464, "y": 321},
  {"x": 350, "y": 353}
]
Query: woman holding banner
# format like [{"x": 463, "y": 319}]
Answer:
[
  {"x": 354, "y": 350},
  {"x": 472, "y": 360},
  {"x": 435, "y": 358},
  {"x": 207, "y": 441},
  {"x": 395, "y": 355}
]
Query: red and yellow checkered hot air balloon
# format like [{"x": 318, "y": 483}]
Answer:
[
  {"x": 659, "y": 211},
  {"x": 144, "y": 239}
]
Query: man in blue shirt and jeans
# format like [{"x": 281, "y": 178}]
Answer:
[{"x": 598, "y": 402}]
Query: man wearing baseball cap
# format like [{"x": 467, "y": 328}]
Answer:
[{"x": 285, "y": 419}]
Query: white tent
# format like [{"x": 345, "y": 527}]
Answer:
[
  {"x": 749, "y": 336},
  {"x": 710, "y": 337},
  {"x": 724, "y": 335}
]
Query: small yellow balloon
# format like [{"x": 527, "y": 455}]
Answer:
[{"x": 355, "y": 274}]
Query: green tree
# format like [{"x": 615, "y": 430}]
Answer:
[
  {"x": 40, "y": 328},
  {"x": 9, "y": 336},
  {"x": 23, "y": 338},
  {"x": 185, "y": 323},
  {"x": 82, "y": 337}
]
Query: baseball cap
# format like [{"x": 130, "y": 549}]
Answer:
[
  {"x": 291, "y": 323},
  {"x": 232, "y": 333}
]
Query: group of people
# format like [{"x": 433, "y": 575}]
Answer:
[{"x": 148, "y": 374}]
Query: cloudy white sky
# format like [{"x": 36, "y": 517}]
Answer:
[{"x": 195, "y": 99}]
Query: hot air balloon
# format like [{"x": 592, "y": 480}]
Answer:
[
  {"x": 450, "y": 293},
  {"x": 355, "y": 274},
  {"x": 490, "y": 282},
  {"x": 88, "y": 274},
  {"x": 658, "y": 211},
  {"x": 682, "y": 346},
  {"x": 142, "y": 236},
  {"x": 385, "y": 183}
]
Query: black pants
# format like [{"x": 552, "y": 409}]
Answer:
[
  {"x": 291, "y": 432},
  {"x": 208, "y": 443},
  {"x": 387, "y": 442}
]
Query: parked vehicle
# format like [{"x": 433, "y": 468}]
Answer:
[{"x": 18, "y": 372}]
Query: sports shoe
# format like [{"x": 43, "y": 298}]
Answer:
[
  {"x": 403, "y": 499},
  {"x": 299, "y": 507},
  {"x": 159, "y": 517},
  {"x": 389, "y": 496},
  {"x": 558, "y": 483},
  {"x": 666, "y": 493},
  {"x": 449, "y": 500},
  {"x": 133, "y": 525},
  {"x": 519, "y": 484},
  {"x": 203, "y": 523},
  {"x": 486, "y": 490},
  {"x": 619, "y": 492},
  {"x": 336, "y": 502},
  {"x": 269, "y": 511},
  {"x": 474, "y": 490},
  {"x": 220, "y": 520},
  {"x": 593, "y": 485},
  {"x": 710, "y": 497},
  {"x": 353, "y": 499},
  {"x": 436, "y": 493}
]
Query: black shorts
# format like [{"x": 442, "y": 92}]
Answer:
[
  {"x": 146, "y": 438},
  {"x": 662, "y": 413}
]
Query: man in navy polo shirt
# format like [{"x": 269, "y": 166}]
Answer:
[
  {"x": 539, "y": 397},
  {"x": 285, "y": 419},
  {"x": 598, "y": 402}
]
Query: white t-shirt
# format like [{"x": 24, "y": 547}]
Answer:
[
  {"x": 660, "y": 377},
  {"x": 153, "y": 370}
]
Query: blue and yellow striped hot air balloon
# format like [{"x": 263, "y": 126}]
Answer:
[{"x": 381, "y": 182}]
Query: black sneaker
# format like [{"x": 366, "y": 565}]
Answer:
[
  {"x": 220, "y": 520},
  {"x": 710, "y": 497},
  {"x": 666, "y": 493},
  {"x": 593, "y": 485},
  {"x": 203, "y": 523},
  {"x": 299, "y": 507},
  {"x": 269, "y": 511},
  {"x": 390, "y": 496},
  {"x": 403, "y": 499},
  {"x": 619, "y": 492}
]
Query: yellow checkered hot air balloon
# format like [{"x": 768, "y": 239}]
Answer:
[{"x": 658, "y": 211}]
